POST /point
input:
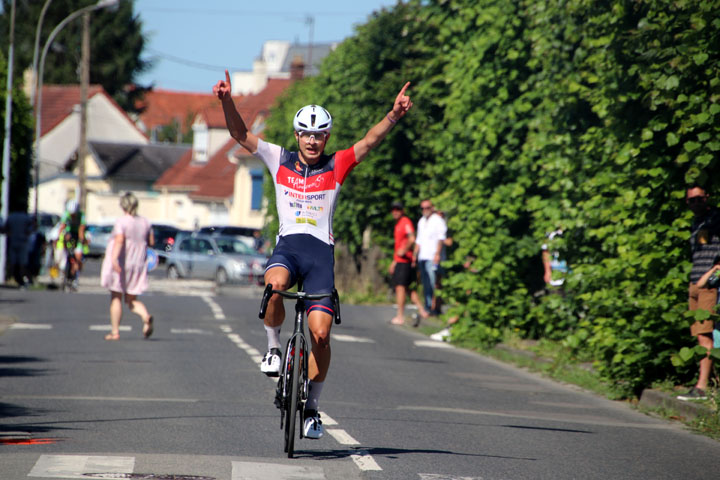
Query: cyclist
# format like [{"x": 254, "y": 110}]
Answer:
[
  {"x": 307, "y": 183},
  {"x": 72, "y": 235}
]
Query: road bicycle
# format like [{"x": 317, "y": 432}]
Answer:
[
  {"x": 71, "y": 270},
  {"x": 292, "y": 389}
]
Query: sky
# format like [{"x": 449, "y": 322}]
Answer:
[{"x": 193, "y": 41}]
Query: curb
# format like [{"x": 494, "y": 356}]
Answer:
[{"x": 686, "y": 410}]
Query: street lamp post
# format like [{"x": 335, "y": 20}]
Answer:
[{"x": 38, "y": 106}]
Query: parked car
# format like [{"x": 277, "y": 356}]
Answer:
[
  {"x": 46, "y": 221},
  {"x": 164, "y": 236},
  {"x": 98, "y": 236},
  {"x": 225, "y": 259},
  {"x": 247, "y": 234}
]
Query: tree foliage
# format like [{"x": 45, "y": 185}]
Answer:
[
  {"x": 532, "y": 115},
  {"x": 116, "y": 44}
]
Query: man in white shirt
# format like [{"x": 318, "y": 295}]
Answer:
[{"x": 431, "y": 233}]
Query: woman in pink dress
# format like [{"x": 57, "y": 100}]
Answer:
[{"x": 124, "y": 268}]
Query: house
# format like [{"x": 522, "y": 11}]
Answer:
[
  {"x": 120, "y": 158},
  {"x": 218, "y": 182},
  {"x": 164, "y": 112},
  {"x": 276, "y": 62}
]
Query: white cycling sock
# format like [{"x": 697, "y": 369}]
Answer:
[
  {"x": 273, "y": 336},
  {"x": 315, "y": 389}
]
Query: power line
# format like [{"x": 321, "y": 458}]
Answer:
[{"x": 191, "y": 63}]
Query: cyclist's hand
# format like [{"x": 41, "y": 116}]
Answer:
[
  {"x": 223, "y": 89},
  {"x": 402, "y": 103}
]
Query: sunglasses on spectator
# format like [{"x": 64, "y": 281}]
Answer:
[
  {"x": 696, "y": 200},
  {"x": 428, "y": 207}
]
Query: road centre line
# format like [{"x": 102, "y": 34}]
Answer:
[
  {"x": 341, "y": 436},
  {"x": 365, "y": 461}
]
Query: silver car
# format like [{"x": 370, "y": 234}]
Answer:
[
  {"x": 98, "y": 236},
  {"x": 224, "y": 259}
]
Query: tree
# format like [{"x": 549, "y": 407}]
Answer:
[
  {"x": 21, "y": 136},
  {"x": 116, "y": 37}
]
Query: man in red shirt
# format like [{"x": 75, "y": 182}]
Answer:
[{"x": 402, "y": 268}]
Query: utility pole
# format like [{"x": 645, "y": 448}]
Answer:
[
  {"x": 84, "y": 84},
  {"x": 310, "y": 22},
  {"x": 5, "y": 197}
]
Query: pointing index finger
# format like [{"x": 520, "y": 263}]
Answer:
[
  {"x": 405, "y": 87},
  {"x": 227, "y": 76}
]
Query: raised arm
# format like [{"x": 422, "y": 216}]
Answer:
[
  {"x": 235, "y": 124},
  {"x": 377, "y": 133}
]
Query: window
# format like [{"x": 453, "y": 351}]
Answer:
[
  {"x": 256, "y": 189},
  {"x": 200, "y": 143}
]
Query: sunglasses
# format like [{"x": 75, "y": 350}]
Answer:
[
  {"x": 317, "y": 136},
  {"x": 426, "y": 208},
  {"x": 696, "y": 200}
]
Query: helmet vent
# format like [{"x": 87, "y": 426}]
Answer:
[{"x": 312, "y": 119}]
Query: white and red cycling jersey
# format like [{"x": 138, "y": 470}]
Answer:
[{"x": 306, "y": 194}]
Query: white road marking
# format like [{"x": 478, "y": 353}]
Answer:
[
  {"x": 107, "y": 328},
  {"x": 440, "y": 476},
  {"x": 327, "y": 419},
  {"x": 76, "y": 466},
  {"x": 264, "y": 471},
  {"x": 217, "y": 310},
  {"x": 432, "y": 344},
  {"x": 342, "y": 436},
  {"x": 190, "y": 331},
  {"x": 365, "y": 462},
  {"x": 31, "y": 326},
  {"x": 350, "y": 338},
  {"x": 99, "y": 399}
]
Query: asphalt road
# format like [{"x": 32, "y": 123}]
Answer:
[{"x": 191, "y": 403}]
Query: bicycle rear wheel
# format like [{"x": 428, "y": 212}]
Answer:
[{"x": 294, "y": 397}]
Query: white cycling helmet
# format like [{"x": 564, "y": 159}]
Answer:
[
  {"x": 312, "y": 118},
  {"x": 72, "y": 206}
]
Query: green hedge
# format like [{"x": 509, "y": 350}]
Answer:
[{"x": 533, "y": 115}]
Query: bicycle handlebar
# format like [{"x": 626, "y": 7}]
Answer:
[{"x": 299, "y": 296}]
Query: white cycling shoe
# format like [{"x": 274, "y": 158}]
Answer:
[
  {"x": 270, "y": 364},
  {"x": 313, "y": 428}
]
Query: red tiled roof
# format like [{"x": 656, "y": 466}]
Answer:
[
  {"x": 58, "y": 102},
  {"x": 216, "y": 178},
  {"x": 164, "y": 106}
]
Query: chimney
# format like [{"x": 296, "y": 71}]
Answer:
[{"x": 297, "y": 68}]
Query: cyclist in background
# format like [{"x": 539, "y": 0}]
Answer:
[
  {"x": 307, "y": 183},
  {"x": 71, "y": 238}
]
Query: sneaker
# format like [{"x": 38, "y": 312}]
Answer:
[
  {"x": 694, "y": 394},
  {"x": 442, "y": 335},
  {"x": 270, "y": 364},
  {"x": 313, "y": 426}
]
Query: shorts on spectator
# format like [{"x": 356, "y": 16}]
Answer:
[{"x": 404, "y": 274}]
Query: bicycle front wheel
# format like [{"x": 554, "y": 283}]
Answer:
[{"x": 294, "y": 397}]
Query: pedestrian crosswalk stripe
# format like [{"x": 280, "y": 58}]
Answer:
[
  {"x": 342, "y": 437},
  {"x": 77, "y": 466},
  {"x": 432, "y": 344},
  {"x": 365, "y": 461}
]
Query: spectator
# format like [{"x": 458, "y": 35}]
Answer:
[
  {"x": 18, "y": 227},
  {"x": 704, "y": 248},
  {"x": 124, "y": 268},
  {"x": 440, "y": 273},
  {"x": 554, "y": 268},
  {"x": 428, "y": 249},
  {"x": 402, "y": 268}
]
